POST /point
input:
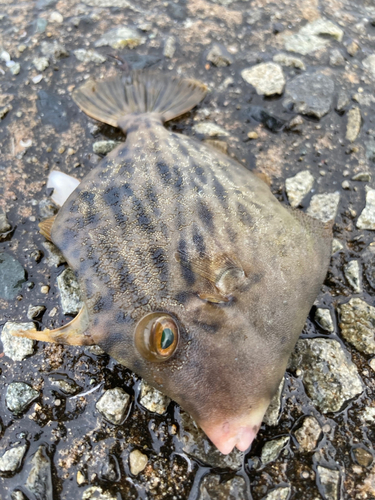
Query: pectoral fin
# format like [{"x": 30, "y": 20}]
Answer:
[{"x": 45, "y": 227}]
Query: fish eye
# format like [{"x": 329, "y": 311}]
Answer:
[{"x": 156, "y": 336}]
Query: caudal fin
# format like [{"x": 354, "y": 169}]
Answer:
[{"x": 142, "y": 92}]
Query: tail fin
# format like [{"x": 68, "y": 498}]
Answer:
[{"x": 142, "y": 92}]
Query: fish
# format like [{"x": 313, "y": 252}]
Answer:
[{"x": 193, "y": 274}]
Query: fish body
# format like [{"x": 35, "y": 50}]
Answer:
[{"x": 172, "y": 240}]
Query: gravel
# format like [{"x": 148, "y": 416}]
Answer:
[
  {"x": 343, "y": 99},
  {"x": 41, "y": 63},
  {"x": 329, "y": 482},
  {"x": 324, "y": 206},
  {"x": 357, "y": 323},
  {"x": 336, "y": 58},
  {"x": 17, "y": 348},
  {"x": 329, "y": 377},
  {"x": 19, "y": 396},
  {"x": 267, "y": 78},
  {"x": 97, "y": 493},
  {"x": 11, "y": 460},
  {"x": 324, "y": 319},
  {"x": 121, "y": 37},
  {"x": 290, "y": 61},
  {"x": 39, "y": 480},
  {"x": 54, "y": 51},
  {"x": 70, "y": 294},
  {"x": 281, "y": 493},
  {"x": 209, "y": 129},
  {"x": 308, "y": 434},
  {"x": 298, "y": 187},
  {"x": 308, "y": 38},
  {"x": 169, "y": 47},
  {"x": 12, "y": 275},
  {"x": 213, "y": 487},
  {"x": 137, "y": 462},
  {"x": 152, "y": 399},
  {"x": 219, "y": 56},
  {"x": 104, "y": 147},
  {"x": 113, "y": 405},
  {"x": 310, "y": 94},
  {"x": 272, "y": 449},
  {"x": 35, "y": 311},
  {"x": 87, "y": 56},
  {"x": 336, "y": 246},
  {"x": 354, "y": 124},
  {"x": 367, "y": 218},
  {"x": 353, "y": 275}
]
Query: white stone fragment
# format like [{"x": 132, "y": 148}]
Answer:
[
  {"x": 89, "y": 55},
  {"x": 41, "y": 63},
  {"x": 17, "y": 348},
  {"x": 352, "y": 274},
  {"x": 272, "y": 449},
  {"x": 367, "y": 218},
  {"x": 113, "y": 405},
  {"x": 210, "y": 129},
  {"x": 298, "y": 187},
  {"x": 336, "y": 245},
  {"x": 137, "y": 462},
  {"x": 324, "y": 206},
  {"x": 267, "y": 78},
  {"x": 169, "y": 47},
  {"x": 324, "y": 319},
  {"x": 152, "y": 399},
  {"x": 12, "y": 459}
]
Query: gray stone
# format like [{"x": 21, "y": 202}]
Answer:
[
  {"x": 329, "y": 481},
  {"x": 352, "y": 274},
  {"x": 298, "y": 187},
  {"x": 368, "y": 257},
  {"x": 369, "y": 65},
  {"x": 5, "y": 227},
  {"x": 17, "y": 348},
  {"x": 121, "y": 37},
  {"x": 66, "y": 385},
  {"x": 281, "y": 493},
  {"x": 12, "y": 275},
  {"x": 209, "y": 129},
  {"x": 104, "y": 147},
  {"x": 87, "y": 56},
  {"x": 330, "y": 379},
  {"x": 324, "y": 206},
  {"x": 47, "y": 208},
  {"x": 39, "y": 480},
  {"x": 324, "y": 319},
  {"x": 370, "y": 149},
  {"x": 367, "y": 218},
  {"x": 357, "y": 323},
  {"x": 213, "y": 487},
  {"x": 310, "y": 94},
  {"x": 267, "y": 78},
  {"x": 363, "y": 457},
  {"x": 343, "y": 99},
  {"x": 336, "y": 58},
  {"x": 219, "y": 56},
  {"x": 70, "y": 293},
  {"x": 290, "y": 61},
  {"x": 308, "y": 38},
  {"x": 12, "y": 458},
  {"x": 41, "y": 63},
  {"x": 362, "y": 177},
  {"x": 35, "y": 311},
  {"x": 308, "y": 434},
  {"x": 152, "y": 399},
  {"x": 19, "y": 396},
  {"x": 169, "y": 47},
  {"x": 54, "y": 50},
  {"x": 336, "y": 245},
  {"x": 40, "y": 25},
  {"x": 54, "y": 257},
  {"x": 196, "y": 444},
  {"x": 137, "y": 462},
  {"x": 272, "y": 414},
  {"x": 97, "y": 493},
  {"x": 113, "y": 405},
  {"x": 14, "y": 67},
  {"x": 272, "y": 449},
  {"x": 354, "y": 124}
]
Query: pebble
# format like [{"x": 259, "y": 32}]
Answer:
[
  {"x": 282, "y": 493},
  {"x": 37, "y": 79},
  {"x": 363, "y": 457},
  {"x": 290, "y": 61},
  {"x": 5, "y": 110},
  {"x": 137, "y": 462},
  {"x": 372, "y": 363},
  {"x": 329, "y": 481},
  {"x": 39, "y": 480},
  {"x": 253, "y": 135},
  {"x": 70, "y": 294},
  {"x": 324, "y": 319},
  {"x": 357, "y": 323},
  {"x": 310, "y": 94},
  {"x": 12, "y": 458},
  {"x": 169, "y": 47},
  {"x": 336, "y": 245},
  {"x": 5, "y": 227},
  {"x": 121, "y": 37},
  {"x": 97, "y": 493},
  {"x": 298, "y": 187},
  {"x": 40, "y": 25},
  {"x": 272, "y": 449},
  {"x": 343, "y": 99},
  {"x": 345, "y": 185},
  {"x": 330, "y": 379},
  {"x": 352, "y": 48},
  {"x": 308, "y": 38},
  {"x": 17, "y": 348},
  {"x": 12, "y": 275},
  {"x": 324, "y": 206},
  {"x": 55, "y": 17},
  {"x": 267, "y": 78},
  {"x": 369, "y": 65},
  {"x": 336, "y": 58},
  {"x": 368, "y": 257},
  {"x": 66, "y": 385},
  {"x": 5, "y": 56},
  {"x": 367, "y": 218},
  {"x": 362, "y": 177},
  {"x": 352, "y": 274},
  {"x": 55, "y": 257},
  {"x": 213, "y": 487},
  {"x": 113, "y": 405},
  {"x": 54, "y": 50},
  {"x": 368, "y": 414},
  {"x": 15, "y": 67},
  {"x": 308, "y": 434},
  {"x": 87, "y": 56},
  {"x": 19, "y": 396},
  {"x": 219, "y": 56},
  {"x": 41, "y": 63},
  {"x": 35, "y": 311},
  {"x": 104, "y": 147},
  {"x": 272, "y": 414},
  {"x": 152, "y": 399},
  {"x": 354, "y": 124},
  {"x": 209, "y": 129}
]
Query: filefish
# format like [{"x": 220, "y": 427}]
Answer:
[{"x": 193, "y": 274}]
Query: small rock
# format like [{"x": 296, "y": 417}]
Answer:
[
  {"x": 87, "y": 56},
  {"x": 19, "y": 395},
  {"x": 290, "y": 61},
  {"x": 41, "y": 63},
  {"x": 368, "y": 414},
  {"x": 324, "y": 206},
  {"x": 352, "y": 274},
  {"x": 343, "y": 100},
  {"x": 113, "y": 405},
  {"x": 35, "y": 311},
  {"x": 39, "y": 480},
  {"x": 219, "y": 56},
  {"x": 17, "y": 348},
  {"x": 345, "y": 185},
  {"x": 66, "y": 385},
  {"x": 295, "y": 124},
  {"x": 15, "y": 68},
  {"x": 357, "y": 323},
  {"x": 55, "y": 257},
  {"x": 310, "y": 94},
  {"x": 12, "y": 459},
  {"x": 263, "y": 116},
  {"x": 336, "y": 58},
  {"x": 56, "y": 17},
  {"x": 5, "y": 227},
  {"x": 369, "y": 64},
  {"x": 40, "y": 25},
  {"x": 97, "y": 493},
  {"x": 4, "y": 56},
  {"x": 104, "y": 147},
  {"x": 253, "y": 135},
  {"x": 368, "y": 257},
  {"x": 37, "y": 79},
  {"x": 329, "y": 481},
  {"x": 308, "y": 38},
  {"x": 329, "y": 377},
  {"x": 152, "y": 399},
  {"x": 352, "y": 48},
  {"x": 336, "y": 245},
  {"x": 267, "y": 78},
  {"x": 70, "y": 293},
  {"x": 121, "y": 37},
  {"x": 324, "y": 319},
  {"x": 354, "y": 124},
  {"x": 169, "y": 47},
  {"x": 12, "y": 275},
  {"x": 363, "y": 457},
  {"x": 367, "y": 218},
  {"x": 362, "y": 177},
  {"x": 47, "y": 208},
  {"x": 81, "y": 479},
  {"x": 272, "y": 414},
  {"x": 213, "y": 487},
  {"x": 308, "y": 435},
  {"x": 372, "y": 363},
  {"x": 137, "y": 462},
  {"x": 298, "y": 187},
  {"x": 272, "y": 449},
  {"x": 54, "y": 50},
  {"x": 209, "y": 129},
  {"x": 5, "y": 110},
  {"x": 281, "y": 493}
]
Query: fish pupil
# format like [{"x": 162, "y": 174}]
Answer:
[{"x": 167, "y": 338}]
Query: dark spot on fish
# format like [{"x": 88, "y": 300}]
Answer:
[
  {"x": 185, "y": 266},
  {"x": 178, "y": 179},
  {"x": 124, "y": 318},
  {"x": 207, "y": 327},
  {"x": 220, "y": 191},
  {"x": 198, "y": 241},
  {"x": 244, "y": 215},
  {"x": 200, "y": 173},
  {"x": 160, "y": 262},
  {"x": 87, "y": 196},
  {"x": 143, "y": 219},
  {"x": 164, "y": 171},
  {"x": 182, "y": 297},
  {"x": 102, "y": 304},
  {"x": 205, "y": 215}
]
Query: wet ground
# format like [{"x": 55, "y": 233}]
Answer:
[{"x": 66, "y": 445}]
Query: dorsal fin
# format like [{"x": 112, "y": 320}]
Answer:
[{"x": 45, "y": 227}]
